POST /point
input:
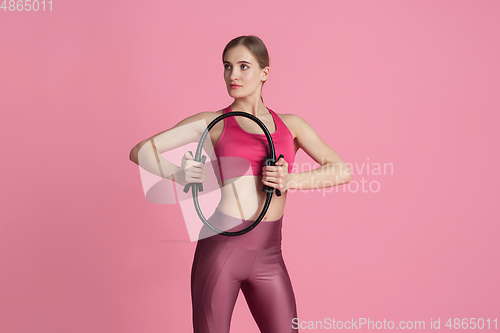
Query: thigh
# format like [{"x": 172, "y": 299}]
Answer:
[
  {"x": 270, "y": 295},
  {"x": 215, "y": 283}
]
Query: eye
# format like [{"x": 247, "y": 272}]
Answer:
[{"x": 226, "y": 66}]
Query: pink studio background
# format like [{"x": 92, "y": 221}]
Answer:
[{"x": 409, "y": 83}]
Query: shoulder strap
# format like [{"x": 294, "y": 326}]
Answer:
[
  {"x": 228, "y": 120},
  {"x": 277, "y": 119}
]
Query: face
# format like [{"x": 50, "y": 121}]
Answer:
[{"x": 243, "y": 70}]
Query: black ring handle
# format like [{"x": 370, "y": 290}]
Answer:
[{"x": 268, "y": 160}]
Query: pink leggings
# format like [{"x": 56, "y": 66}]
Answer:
[{"x": 251, "y": 262}]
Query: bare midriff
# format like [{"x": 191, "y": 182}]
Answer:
[{"x": 242, "y": 197}]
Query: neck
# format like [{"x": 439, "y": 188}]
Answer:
[{"x": 250, "y": 105}]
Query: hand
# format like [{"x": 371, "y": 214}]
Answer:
[
  {"x": 276, "y": 176},
  {"x": 192, "y": 171}
]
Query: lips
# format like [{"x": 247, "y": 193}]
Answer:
[{"x": 235, "y": 86}]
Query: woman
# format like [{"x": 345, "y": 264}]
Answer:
[{"x": 251, "y": 262}]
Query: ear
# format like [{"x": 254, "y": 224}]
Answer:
[{"x": 265, "y": 75}]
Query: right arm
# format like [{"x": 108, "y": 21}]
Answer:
[{"x": 186, "y": 131}]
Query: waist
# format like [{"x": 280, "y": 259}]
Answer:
[
  {"x": 265, "y": 235},
  {"x": 244, "y": 197}
]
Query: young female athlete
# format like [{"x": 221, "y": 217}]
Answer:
[{"x": 253, "y": 261}]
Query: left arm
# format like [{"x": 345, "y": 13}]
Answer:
[{"x": 332, "y": 172}]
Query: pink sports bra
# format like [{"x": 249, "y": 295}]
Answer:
[{"x": 240, "y": 153}]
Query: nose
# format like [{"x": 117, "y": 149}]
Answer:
[{"x": 234, "y": 74}]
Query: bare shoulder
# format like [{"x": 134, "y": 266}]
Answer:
[
  {"x": 207, "y": 116},
  {"x": 292, "y": 121},
  {"x": 214, "y": 114}
]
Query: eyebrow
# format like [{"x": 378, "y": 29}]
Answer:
[{"x": 241, "y": 61}]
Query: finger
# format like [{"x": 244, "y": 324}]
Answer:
[
  {"x": 268, "y": 183},
  {"x": 201, "y": 170},
  {"x": 271, "y": 175},
  {"x": 273, "y": 180},
  {"x": 277, "y": 172},
  {"x": 196, "y": 170},
  {"x": 195, "y": 164},
  {"x": 201, "y": 167},
  {"x": 198, "y": 179},
  {"x": 272, "y": 167},
  {"x": 274, "y": 184},
  {"x": 195, "y": 175},
  {"x": 283, "y": 162}
]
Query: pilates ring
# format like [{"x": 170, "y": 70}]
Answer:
[{"x": 268, "y": 160}]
